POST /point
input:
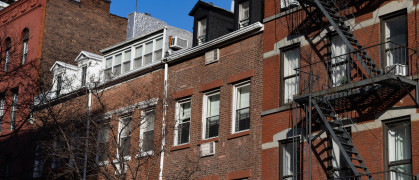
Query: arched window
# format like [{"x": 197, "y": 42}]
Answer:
[
  {"x": 25, "y": 45},
  {"x": 8, "y": 43}
]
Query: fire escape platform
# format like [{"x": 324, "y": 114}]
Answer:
[{"x": 380, "y": 92}]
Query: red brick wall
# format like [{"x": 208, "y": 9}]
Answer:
[{"x": 233, "y": 153}]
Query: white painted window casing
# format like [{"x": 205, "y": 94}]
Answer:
[
  {"x": 291, "y": 78},
  {"x": 211, "y": 115},
  {"x": 241, "y": 107},
  {"x": 183, "y": 119}
]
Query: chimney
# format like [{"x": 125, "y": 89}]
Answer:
[{"x": 142, "y": 23}]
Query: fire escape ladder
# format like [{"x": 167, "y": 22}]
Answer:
[
  {"x": 345, "y": 33},
  {"x": 341, "y": 137}
]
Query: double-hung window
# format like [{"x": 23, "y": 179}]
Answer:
[
  {"x": 2, "y": 108},
  {"x": 202, "y": 31},
  {"x": 138, "y": 60},
  {"x": 243, "y": 14},
  {"x": 339, "y": 62},
  {"x": 289, "y": 155},
  {"x": 127, "y": 61},
  {"x": 124, "y": 136},
  {"x": 147, "y": 134},
  {"x": 395, "y": 37},
  {"x": 108, "y": 68},
  {"x": 7, "y": 54},
  {"x": 290, "y": 82},
  {"x": 13, "y": 111},
  {"x": 103, "y": 141},
  {"x": 211, "y": 114},
  {"x": 83, "y": 75},
  {"x": 117, "y": 64},
  {"x": 59, "y": 85},
  {"x": 399, "y": 149},
  {"x": 148, "y": 53},
  {"x": 25, "y": 45},
  {"x": 183, "y": 121},
  {"x": 158, "y": 49},
  {"x": 241, "y": 107}
]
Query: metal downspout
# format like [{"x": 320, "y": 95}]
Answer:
[{"x": 89, "y": 110}]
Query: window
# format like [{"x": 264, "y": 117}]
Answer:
[
  {"x": 13, "y": 111},
  {"x": 340, "y": 167},
  {"x": 138, "y": 60},
  {"x": 59, "y": 85},
  {"x": 158, "y": 49},
  {"x": 202, "y": 31},
  {"x": 289, "y": 3},
  {"x": 108, "y": 68},
  {"x": 241, "y": 107},
  {"x": 38, "y": 163},
  {"x": 2, "y": 108},
  {"x": 147, "y": 134},
  {"x": 83, "y": 75},
  {"x": 211, "y": 115},
  {"x": 243, "y": 14},
  {"x": 183, "y": 121},
  {"x": 124, "y": 136},
  {"x": 25, "y": 45},
  {"x": 148, "y": 53},
  {"x": 117, "y": 65},
  {"x": 103, "y": 141},
  {"x": 127, "y": 61},
  {"x": 395, "y": 37},
  {"x": 339, "y": 62},
  {"x": 289, "y": 156},
  {"x": 7, "y": 54},
  {"x": 398, "y": 153},
  {"x": 290, "y": 79}
]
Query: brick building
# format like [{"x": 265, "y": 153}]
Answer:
[
  {"x": 33, "y": 35},
  {"x": 214, "y": 93},
  {"x": 340, "y": 90}
]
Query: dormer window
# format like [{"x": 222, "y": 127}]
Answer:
[
  {"x": 83, "y": 75},
  {"x": 243, "y": 14},
  {"x": 59, "y": 85},
  {"x": 202, "y": 31}
]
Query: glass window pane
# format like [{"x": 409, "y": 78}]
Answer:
[
  {"x": 399, "y": 142},
  {"x": 108, "y": 62},
  {"x": 138, "y": 62},
  {"x": 125, "y": 127},
  {"x": 158, "y": 55},
  {"x": 401, "y": 172},
  {"x": 149, "y": 121},
  {"x": 291, "y": 61},
  {"x": 243, "y": 97},
  {"x": 127, "y": 56},
  {"x": 127, "y": 66},
  {"x": 149, "y": 47},
  {"x": 159, "y": 43},
  {"x": 213, "y": 106},
  {"x": 290, "y": 89},
  {"x": 148, "y": 58},
  {"x": 118, "y": 58},
  {"x": 117, "y": 70},
  {"x": 185, "y": 110},
  {"x": 138, "y": 51}
]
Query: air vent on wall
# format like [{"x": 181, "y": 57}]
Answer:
[
  {"x": 212, "y": 56},
  {"x": 207, "y": 149}
]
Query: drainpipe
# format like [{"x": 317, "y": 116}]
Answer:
[
  {"x": 166, "y": 70},
  {"x": 89, "y": 110}
]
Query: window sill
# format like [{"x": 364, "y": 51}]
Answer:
[
  {"x": 126, "y": 158},
  {"x": 238, "y": 134},
  {"x": 144, "y": 154},
  {"x": 214, "y": 139},
  {"x": 180, "y": 147}
]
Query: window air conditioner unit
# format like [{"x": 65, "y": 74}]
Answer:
[
  {"x": 178, "y": 43},
  {"x": 212, "y": 56},
  {"x": 207, "y": 149},
  {"x": 397, "y": 69}
]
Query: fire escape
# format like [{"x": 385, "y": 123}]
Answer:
[{"x": 366, "y": 88}]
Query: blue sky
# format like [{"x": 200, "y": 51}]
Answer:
[{"x": 173, "y": 12}]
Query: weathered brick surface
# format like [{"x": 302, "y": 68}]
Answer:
[{"x": 232, "y": 155}]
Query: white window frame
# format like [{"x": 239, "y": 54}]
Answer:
[
  {"x": 133, "y": 57},
  {"x": 143, "y": 130},
  {"x": 242, "y": 20},
  {"x": 234, "y": 108},
  {"x": 339, "y": 62},
  {"x": 295, "y": 75},
  {"x": 205, "y": 112},
  {"x": 202, "y": 36},
  {"x": 120, "y": 122},
  {"x": 283, "y": 144},
  {"x": 177, "y": 120}
]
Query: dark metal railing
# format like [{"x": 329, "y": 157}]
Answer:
[{"x": 336, "y": 71}]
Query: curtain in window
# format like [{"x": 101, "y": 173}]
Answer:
[
  {"x": 290, "y": 164},
  {"x": 399, "y": 148},
  {"x": 339, "y": 71}
]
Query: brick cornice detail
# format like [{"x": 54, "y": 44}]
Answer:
[
  {"x": 183, "y": 93},
  {"x": 211, "y": 85},
  {"x": 241, "y": 76},
  {"x": 238, "y": 174}
]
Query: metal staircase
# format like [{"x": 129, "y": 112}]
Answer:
[
  {"x": 334, "y": 127},
  {"x": 328, "y": 9}
]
